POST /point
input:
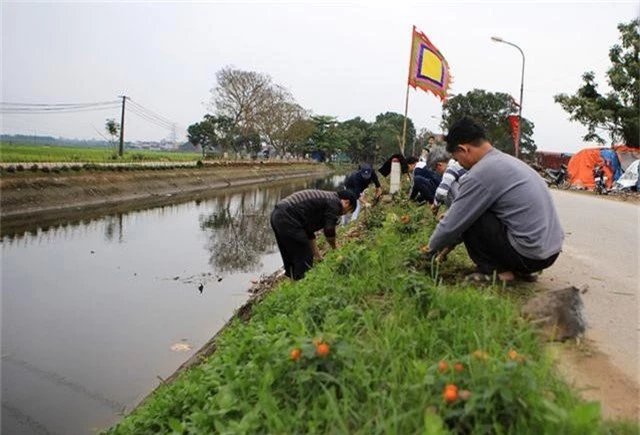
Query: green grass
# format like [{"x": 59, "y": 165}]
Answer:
[
  {"x": 10, "y": 153},
  {"x": 389, "y": 320}
]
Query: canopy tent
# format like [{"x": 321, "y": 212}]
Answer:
[
  {"x": 630, "y": 177},
  {"x": 614, "y": 161}
]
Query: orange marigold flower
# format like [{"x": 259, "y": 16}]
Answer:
[
  {"x": 450, "y": 393},
  {"x": 480, "y": 354},
  {"x": 296, "y": 354},
  {"x": 322, "y": 349}
]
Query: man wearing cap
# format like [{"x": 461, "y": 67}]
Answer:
[
  {"x": 503, "y": 212},
  {"x": 296, "y": 218},
  {"x": 358, "y": 182}
]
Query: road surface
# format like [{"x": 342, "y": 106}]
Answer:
[{"x": 601, "y": 250}]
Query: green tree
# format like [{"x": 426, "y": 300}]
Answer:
[
  {"x": 491, "y": 110},
  {"x": 327, "y": 138},
  {"x": 360, "y": 140},
  {"x": 211, "y": 132},
  {"x": 113, "y": 130},
  {"x": 388, "y": 133},
  {"x": 616, "y": 113}
]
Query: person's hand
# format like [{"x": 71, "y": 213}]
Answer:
[
  {"x": 442, "y": 255},
  {"x": 441, "y": 216},
  {"x": 434, "y": 209}
]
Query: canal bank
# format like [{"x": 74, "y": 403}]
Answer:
[
  {"x": 375, "y": 337},
  {"x": 47, "y": 198}
]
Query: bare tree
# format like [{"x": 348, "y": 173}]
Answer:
[
  {"x": 239, "y": 95},
  {"x": 277, "y": 114}
]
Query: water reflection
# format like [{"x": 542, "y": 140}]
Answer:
[{"x": 238, "y": 231}]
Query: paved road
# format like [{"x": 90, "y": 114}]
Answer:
[{"x": 601, "y": 250}]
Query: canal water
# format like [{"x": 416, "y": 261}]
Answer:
[{"x": 96, "y": 312}]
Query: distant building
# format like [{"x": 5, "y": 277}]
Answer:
[{"x": 552, "y": 160}]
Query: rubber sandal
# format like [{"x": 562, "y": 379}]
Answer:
[
  {"x": 527, "y": 277},
  {"x": 478, "y": 278}
]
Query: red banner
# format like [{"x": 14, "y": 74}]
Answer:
[{"x": 514, "y": 120}]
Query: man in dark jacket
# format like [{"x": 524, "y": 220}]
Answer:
[
  {"x": 296, "y": 218},
  {"x": 424, "y": 182},
  {"x": 358, "y": 182}
]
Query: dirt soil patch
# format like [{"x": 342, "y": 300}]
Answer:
[
  {"x": 45, "y": 198},
  {"x": 595, "y": 377}
]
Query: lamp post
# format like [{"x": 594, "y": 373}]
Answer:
[{"x": 498, "y": 39}]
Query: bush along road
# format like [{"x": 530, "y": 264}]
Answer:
[{"x": 377, "y": 340}]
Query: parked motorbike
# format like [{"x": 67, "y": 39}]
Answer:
[
  {"x": 557, "y": 177},
  {"x": 600, "y": 180}
]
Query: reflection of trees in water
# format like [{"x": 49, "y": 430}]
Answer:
[
  {"x": 259, "y": 201},
  {"x": 114, "y": 225},
  {"x": 331, "y": 183},
  {"x": 240, "y": 232}
]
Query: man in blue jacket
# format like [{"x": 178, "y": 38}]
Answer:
[{"x": 358, "y": 182}]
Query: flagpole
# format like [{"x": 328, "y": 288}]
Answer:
[
  {"x": 404, "y": 127},
  {"x": 406, "y": 100}
]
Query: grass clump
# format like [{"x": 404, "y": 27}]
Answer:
[{"x": 375, "y": 340}]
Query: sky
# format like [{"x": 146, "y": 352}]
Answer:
[{"x": 342, "y": 59}]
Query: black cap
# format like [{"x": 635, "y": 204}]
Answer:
[{"x": 366, "y": 170}]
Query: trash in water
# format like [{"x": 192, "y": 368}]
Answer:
[{"x": 181, "y": 347}]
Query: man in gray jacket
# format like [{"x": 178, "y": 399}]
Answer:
[{"x": 503, "y": 212}]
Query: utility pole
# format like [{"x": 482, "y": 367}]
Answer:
[
  {"x": 121, "y": 148},
  {"x": 519, "y": 139}
]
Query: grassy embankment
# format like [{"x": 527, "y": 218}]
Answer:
[
  {"x": 398, "y": 332},
  {"x": 10, "y": 153}
]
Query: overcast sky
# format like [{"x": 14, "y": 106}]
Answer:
[{"x": 343, "y": 59}]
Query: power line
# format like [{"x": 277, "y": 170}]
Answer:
[
  {"x": 151, "y": 112},
  {"x": 9, "y": 108},
  {"x": 147, "y": 118},
  {"x": 5, "y": 103}
]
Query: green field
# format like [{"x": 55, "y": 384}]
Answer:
[
  {"x": 13, "y": 153},
  {"x": 407, "y": 349}
]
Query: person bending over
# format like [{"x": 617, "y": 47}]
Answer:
[
  {"x": 358, "y": 181},
  {"x": 296, "y": 218},
  {"x": 451, "y": 171},
  {"x": 424, "y": 181}
]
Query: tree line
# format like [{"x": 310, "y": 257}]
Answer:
[{"x": 249, "y": 111}]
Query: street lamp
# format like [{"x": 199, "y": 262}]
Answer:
[{"x": 498, "y": 39}]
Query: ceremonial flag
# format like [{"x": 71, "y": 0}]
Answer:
[
  {"x": 514, "y": 120},
  {"x": 428, "y": 69}
]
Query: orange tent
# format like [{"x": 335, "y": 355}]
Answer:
[{"x": 581, "y": 166}]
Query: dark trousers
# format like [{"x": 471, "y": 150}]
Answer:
[
  {"x": 424, "y": 188},
  {"x": 294, "y": 245},
  {"x": 489, "y": 248}
]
